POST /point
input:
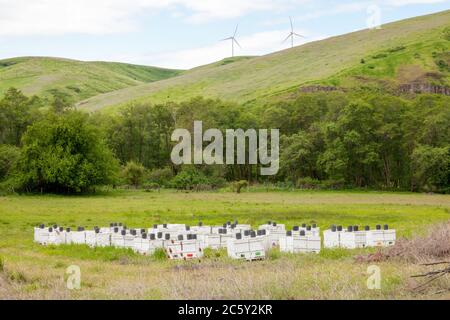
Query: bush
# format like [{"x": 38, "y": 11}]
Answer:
[
  {"x": 133, "y": 173},
  {"x": 151, "y": 186},
  {"x": 189, "y": 179},
  {"x": 237, "y": 186},
  {"x": 161, "y": 177},
  {"x": 314, "y": 184}
]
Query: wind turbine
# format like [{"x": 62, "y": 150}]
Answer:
[
  {"x": 233, "y": 41},
  {"x": 292, "y": 34}
]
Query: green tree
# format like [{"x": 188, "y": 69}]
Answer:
[
  {"x": 134, "y": 173},
  {"x": 431, "y": 169},
  {"x": 65, "y": 154},
  {"x": 17, "y": 112},
  {"x": 9, "y": 155}
]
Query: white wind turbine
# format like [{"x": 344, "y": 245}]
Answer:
[
  {"x": 292, "y": 34},
  {"x": 233, "y": 41}
]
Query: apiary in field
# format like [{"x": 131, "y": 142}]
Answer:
[{"x": 181, "y": 241}]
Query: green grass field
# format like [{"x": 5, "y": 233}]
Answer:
[
  {"x": 401, "y": 52},
  {"x": 31, "y": 271}
]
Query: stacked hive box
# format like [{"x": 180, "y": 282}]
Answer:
[
  {"x": 275, "y": 232},
  {"x": 352, "y": 237},
  {"x": 301, "y": 240},
  {"x": 184, "y": 248},
  {"x": 248, "y": 247}
]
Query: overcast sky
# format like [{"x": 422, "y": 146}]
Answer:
[{"x": 182, "y": 33}]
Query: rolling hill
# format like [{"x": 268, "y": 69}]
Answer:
[
  {"x": 77, "y": 79},
  {"x": 403, "y": 52}
]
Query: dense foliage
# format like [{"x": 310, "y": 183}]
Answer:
[
  {"x": 328, "y": 140},
  {"x": 65, "y": 154}
]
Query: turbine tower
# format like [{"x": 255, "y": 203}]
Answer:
[
  {"x": 233, "y": 41},
  {"x": 292, "y": 34}
]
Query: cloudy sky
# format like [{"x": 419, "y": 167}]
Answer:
[{"x": 182, "y": 33}]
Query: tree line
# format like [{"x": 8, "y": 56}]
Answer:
[{"x": 328, "y": 140}]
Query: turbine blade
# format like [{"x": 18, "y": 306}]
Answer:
[
  {"x": 298, "y": 35},
  {"x": 292, "y": 25},
  {"x": 237, "y": 43},
  {"x": 235, "y": 31},
  {"x": 290, "y": 35},
  {"x": 229, "y": 38}
]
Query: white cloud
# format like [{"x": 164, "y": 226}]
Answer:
[
  {"x": 256, "y": 44},
  {"x": 56, "y": 17},
  {"x": 399, "y": 3}
]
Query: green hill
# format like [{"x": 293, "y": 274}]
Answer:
[
  {"x": 77, "y": 79},
  {"x": 407, "y": 51}
]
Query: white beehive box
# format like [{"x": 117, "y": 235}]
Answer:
[
  {"x": 90, "y": 238},
  {"x": 118, "y": 239},
  {"x": 128, "y": 239},
  {"x": 274, "y": 231},
  {"x": 79, "y": 236},
  {"x": 381, "y": 237},
  {"x": 246, "y": 248},
  {"x": 301, "y": 243},
  {"x": 210, "y": 241},
  {"x": 353, "y": 239},
  {"x": 61, "y": 236},
  {"x": 332, "y": 237},
  {"x": 146, "y": 244},
  {"x": 41, "y": 235},
  {"x": 183, "y": 248},
  {"x": 103, "y": 239},
  {"x": 267, "y": 243},
  {"x": 309, "y": 230},
  {"x": 201, "y": 229}
]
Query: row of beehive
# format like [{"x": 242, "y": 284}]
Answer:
[
  {"x": 184, "y": 242},
  {"x": 353, "y": 237}
]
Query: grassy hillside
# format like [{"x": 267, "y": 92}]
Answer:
[
  {"x": 77, "y": 79},
  {"x": 404, "y": 51}
]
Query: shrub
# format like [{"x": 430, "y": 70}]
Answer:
[
  {"x": 237, "y": 186},
  {"x": 151, "y": 186},
  {"x": 379, "y": 56},
  {"x": 314, "y": 184},
  {"x": 161, "y": 177},
  {"x": 194, "y": 179},
  {"x": 134, "y": 173}
]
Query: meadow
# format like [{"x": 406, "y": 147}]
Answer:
[{"x": 29, "y": 271}]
